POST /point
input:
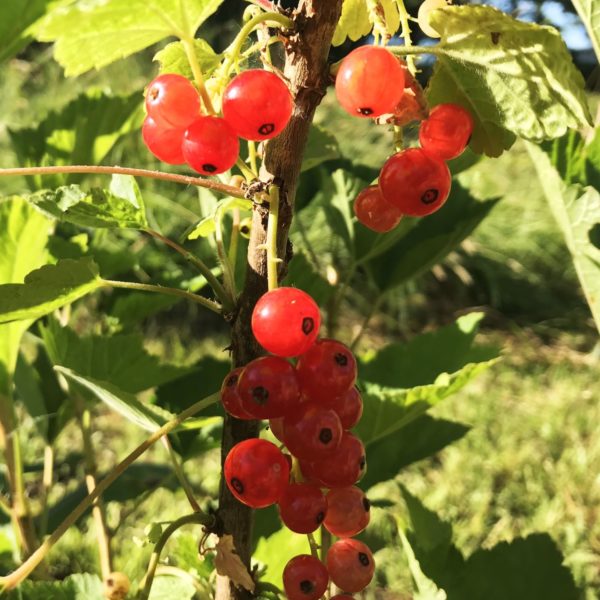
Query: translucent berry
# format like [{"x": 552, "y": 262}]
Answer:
[
  {"x": 348, "y": 511},
  {"x": 312, "y": 434},
  {"x": 276, "y": 427},
  {"x": 286, "y": 321},
  {"x": 349, "y": 408},
  {"x": 268, "y": 387},
  {"x": 343, "y": 467},
  {"x": 374, "y": 211},
  {"x": 257, "y": 473},
  {"x": 424, "y": 13},
  {"x": 172, "y": 101},
  {"x": 230, "y": 397},
  {"x": 446, "y": 132},
  {"x": 305, "y": 578},
  {"x": 210, "y": 146},
  {"x": 302, "y": 507},
  {"x": 415, "y": 183},
  {"x": 164, "y": 143},
  {"x": 326, "y": 370},
  {"x": 370, "y": 82},
  {"x": 257, "y": 104},
  {"x": 350, "y": 565}
]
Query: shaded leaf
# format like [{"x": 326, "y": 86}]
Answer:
[
  {"x": 320, "y": 147},
  {"x": 301, "y": 274},
  {"x": 81, "y": 586}
]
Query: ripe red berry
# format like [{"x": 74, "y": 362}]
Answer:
[
  {"x": 286, "y": 321},
  {"x": 172, "y": 101},
  {"x": 374, "y": 211},
  {"x": 305, "y": 578},
  {"x": 343, "y": 467},
  {"x": 230, "y": 397},
  {"x": 302, "y": 507},
  {"x": 313, "y": 433},
  {"x": 210, "y": 146},
  {"x": 349, "y": 408},
  {"x": 446, "y": 132},
  {"x": 348, "y": 511},
  {"x": 326, "y": 370},
  {"x": 276, "y": 427},
  {"x": 350, "y": 565},
  {"x": 257, "y": 104},
  {"x": 370, "y": 82},
  {"x": 268, "y": 387},
  {"x": 415, "y": 183},
  {"x": 164, "y": 143},
  {"x": 256, "y": 472}
]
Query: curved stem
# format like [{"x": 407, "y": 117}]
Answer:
[
  {"x": 314, "y": 547},
  {"x": 223, "y": 258},
  {"x": 178, "y": 468},
  {"x": 190, "y": 51},
  {"x": 215, "y": 186},
  {"x": 197, "y": 518},
  {"x": 410, "y": 61},
  {"x": 272, "y": 259},
  {"x": 146, "y": 287},
  {"x": 13, "y": 579}
]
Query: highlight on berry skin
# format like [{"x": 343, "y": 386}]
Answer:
[
  {"x": 375, "y": 212},
  {"x": 445, "y": 133}
]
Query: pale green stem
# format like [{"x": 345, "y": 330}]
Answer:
[
  {"x": 228, "y": 276},
  {"x": 47, "y": 480},
  {"x": 178, "y": 468},
  {"x": 410, "y": 61},
  {"x": 252, "y": 156},
  {"x": 247, "y": 172},
  {"x": 271, "y": 243},
  {"x": 314, "y": 547},
  {"x": 235, "y": 237}
]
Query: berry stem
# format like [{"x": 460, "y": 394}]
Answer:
[
  {"x": 13, "y": 579},
  {"x": 178, "y": 468},
  {"x": 271, "y": 242},
  {"x": 314, "y": 547},
  {"x": 47, "y": 481},
  {"x": 228, "y": 275},
  {"x": 405, "y": 34},
  {"x": 215, "y": 186},
  {"x": 325, "y": 542},
  {"x": 248, "y": 173},
  {"x": 252, "y": 156},
  {"x": 190, "y": 52}
]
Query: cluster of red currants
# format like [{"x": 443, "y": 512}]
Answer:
[
  {"x": 415, "y": 181},
  {"x": 256, "y": 105},
  {"x": 310, "y": 406}
]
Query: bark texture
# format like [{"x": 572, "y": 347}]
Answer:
[{"x": 307, "y": 71}]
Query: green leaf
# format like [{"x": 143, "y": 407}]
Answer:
[
  {"x": 93, "y": 35},
  {"x": 166, "y": 587},
  {"x": 577, "y": 212},
  {"x": 47, "y": 289},
  {"x": 320, "y": 147},
  {"x": 97, "y": 207},
  {"x": 358, "y": 19},
  {"x": 21, "y": 226},
  {"x": 301, "y": 274},
  {"x": 589, "y": 13},
  {"x": 208, "y": 225},
  {"x": 173, "y": 59},
  {"x": 516, "y": 78},
  {"x": 81, "y": 586}
]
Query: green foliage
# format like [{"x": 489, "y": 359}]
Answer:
[
  {"x": 173, "y": 59},
  {"x": 589, "y": 12},
  {"x": 276, "y": 550},
  {"x": 320, "y": 147},
  {"x": 208, "y": 225},
  {"x": 516, "y": 78},
  {"x": 359, "y": 17},
  {"x": 47, "y": 289},
  {"x": 166, "y": 587},
  {"x": 91, "y": 37},
  {"x": 81, "y": 586}
]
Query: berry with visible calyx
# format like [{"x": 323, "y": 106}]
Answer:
[
  {"x": 305, "y": 578},
  {"x": 446, "y": 132},
  {"x": 348, "y": 511},
  {"x": 302, "y": 507},
  {"x": 343, "y": 467},
  {"x": 414, "y": 182},
  {"x": 349, "y": 408},
  {"x": 257, "y": 104},
  {"x": 172, "y": 101},
  {"x": 374, "y": 211},
  {"x": 256, "y": 472},
  {"x": 350, "y": 565},
  {"x": 230, "y": 397},
  {"x": 424, "y": 13},
  {"x": 313, "y": 433},
  {"x": 268, "y": 388},
  {"x": 164, "y": 143},
  {"x": 326, "y": 370},
  {"x": 210, "y": 146},
  {"x": 286, "y": 321}
]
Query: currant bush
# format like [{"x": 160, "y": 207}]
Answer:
[
  {"x": 349, "y": 408},
  {"x": 230, "y": 397},
  {"x": 302, "y": 507},
  {"x": 172, "y": 101},
  {"x": 164, "y": 143},
  {"x": 446, "y": 131},
  {"x": 348, "y": 511},
  {"x": 350, "y": 565},
  {"x": 305, "y": 578},
  {"x": 374, "y": 211}
]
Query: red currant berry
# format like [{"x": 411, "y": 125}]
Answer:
[
  {"x": 315, "y": 433},
  {"x": 257, "y": 473},
  {"x": 350, "y": 565},
  {"x": 374, "y": 212},
  {"x": 326, "y": 370},
  {"x": 172, "y": 101},
  {"x": 305, "y": 578},
  {"x": 230, "y": 398},
  {"x": 348, "y": 511},
  {"x": 276, "y": 426},
  {"x": 286, "y": 321},
  {"x": 302, "y": 507},
  {"x": 164, "y": 143},
  {"x": 343, "y": 467},
  {"x": 349, "y": 408},
  {"x": 370, "y": 82},
  {"x": 257, "y": 104},
  {"x": 415, "y": 183},
  {"x": 210, "y": 146},
  {"x": 268, "y": 387},
  {"x": 446, "y": 132}
]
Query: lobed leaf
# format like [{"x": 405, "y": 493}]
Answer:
[{"x": 173, "y": 59}]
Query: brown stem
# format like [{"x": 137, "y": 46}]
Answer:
[{"x": 306, "y": 69}]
